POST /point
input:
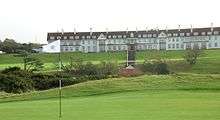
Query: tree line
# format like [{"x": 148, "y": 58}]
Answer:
[{"x": 11, "y": 46}]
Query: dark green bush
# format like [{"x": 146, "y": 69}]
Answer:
[
  {"x": 161, "y": 68},
  {"x": 154, "y": 67},
  {"x": 14, "y": 84}
]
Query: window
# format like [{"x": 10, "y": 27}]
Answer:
[
  {"x": 71, "y": 37},
  {"x": 216, "y": 44},
  {"x": 83, "y": 37},
  {"x": 196, "y": 33},
  {"x": 175, "y": 34},
  {"x": 203, "y": 33},
  {"x": 119, "y": 36},
  {"x": 94, "y": 42},
  {"x": 210, "y": 45},
  {"x": 114, "y": 36},
  {"x": 173, "y": 40},
  {"x": 173, "y": 45},
  {"x": 209, "y": 33},
  {"x": 83, "y": 41},
  {"x": 109, "y": 36},
  {"x": 216, "y": 32},
  {"x": 182, "y": 34},
  {"x": 154, "y": 35},
  {"x": 65, "y": 37},
  {"x": 88, "y": 37},
  {"x": 124, "y": 36},
  {"x": 132, "y": 35},
  {"x": 187, "y": 34},
  {"x": 149, "y": 35},
  {"x": 177, "y": 45},
  {"x": 169, "y": 35},
  {"x": 93, "y": 37},
  {"x": 145, "y": 35},
  {"x": 182, "y": 45},
  {"x": 169, "y": 46},
  {"x": 77, "y": 48},
  {"x": 52, "y": 37},
  {"x": 139, "y": 35},
  {"x": 76, "y": 37}
]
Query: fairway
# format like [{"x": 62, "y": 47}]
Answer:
[{"x": 139, "y": 105}]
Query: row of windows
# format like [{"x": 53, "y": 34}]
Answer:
[
  {"x": 139, "y": 35},
  {"x": 177, "y": 46}
]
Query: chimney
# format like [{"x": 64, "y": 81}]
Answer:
[
  {"x": 74, "y": 30},
  {"x": 212, "y": 25},
  {"x": 90, "y": 30},
  {"x": 191, "y": 29},
  {"x": 166, "y": 29},
  {"x": 136, "y": 29},
  {"x": 127, "y": 30},
  {"x": 106, "y": 29},
  {"x": 179, "y": 28}
]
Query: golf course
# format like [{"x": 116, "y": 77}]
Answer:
[{"x": 189, "y": 93}]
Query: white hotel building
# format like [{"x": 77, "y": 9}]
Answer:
[{"x": 172, "y": 39}]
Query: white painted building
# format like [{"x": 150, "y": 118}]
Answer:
[{"x": 173, "y": 39}]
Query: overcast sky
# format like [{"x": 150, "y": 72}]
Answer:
[{"x": 30, "y": 20}]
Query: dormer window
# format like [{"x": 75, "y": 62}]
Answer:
[
  {"x": 187, "y": 34},
  {"x": 119, "y": 36},
  {"x": 169, "y": 34},
  {"x": 195, "y": 33},
  {"x": 76, "y": 37},
  {"x": 124, "y": 36},
  {"x": 88, "y": 37},
  {"x": 209, "y": 33},
  {"x": 83, "y": 37},
  {"x": 65, "y": 37},
  {"x": 216, "y": 32},
  {"x": 139, "y": 35},
  {"x": 109, "y": 36},
  {"x": 93, "y": 37},
  {"x": 114, "y": 36},
  {"x": 175, "y": 34},
  {"x": 149, "y": 35},
  {"x": 203, "y": 33},
  {"x": 71, "y": 37},
  {"x": 52, "y": 37},
  {"x": 132, "y": 35},
  {"x": 182, "y": 34},
  {"x": 154, "y": 35},
  {"x": 145, "y": 35}
]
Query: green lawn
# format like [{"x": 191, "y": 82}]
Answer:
[
  {"x": 165, "y": 97},
  {"x": 210, "y": 60},
  {"x": 144, "y": 105}
]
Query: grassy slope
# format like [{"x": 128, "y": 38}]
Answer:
[
  {"x": 153, "y": 82},
  {"x": 185, "y": 96}
]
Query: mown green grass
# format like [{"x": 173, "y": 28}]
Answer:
[
  {"x": 208, "y": 62},
  {"x": 166, "y": 97}
]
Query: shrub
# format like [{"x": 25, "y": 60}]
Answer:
[
  {"x": 14, "y": 84},
  {"x": 155, "y": 67},
  {"x": 161, "y": 68}
]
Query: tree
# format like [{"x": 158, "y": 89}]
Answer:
[
  {"x": 9, "y": 46},
  {"x": 30, "y": 63},
  {"x": 191, "y": 55}
]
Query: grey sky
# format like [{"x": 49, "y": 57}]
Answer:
[{"x": 30, "y": 20}]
